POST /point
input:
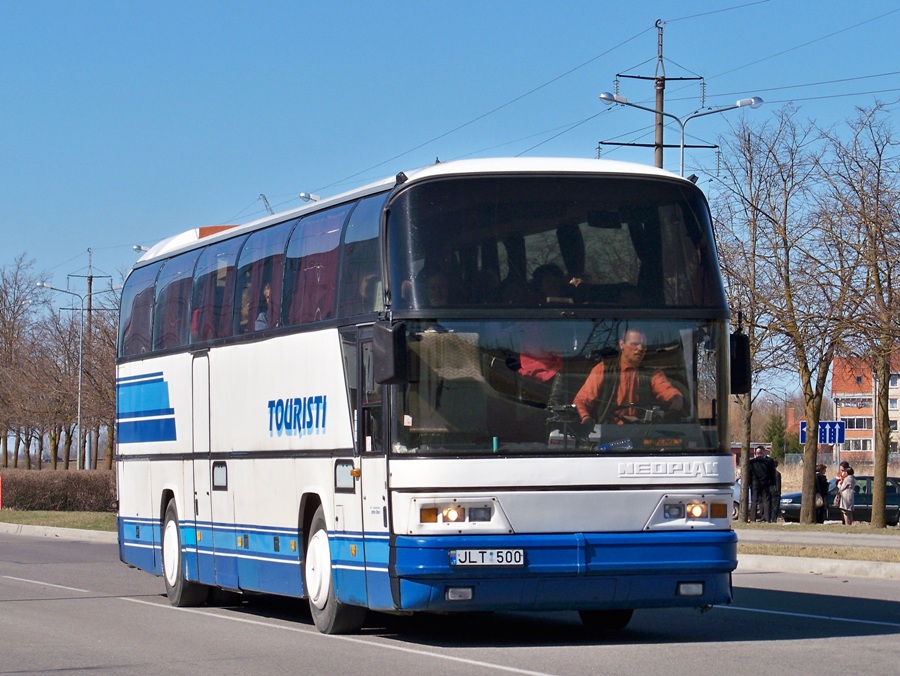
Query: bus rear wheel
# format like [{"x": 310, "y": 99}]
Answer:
[
  {"x": 329, "y": 615},
  {"x": 182, "y": 593},
  {"x": 606, "y": 620}
]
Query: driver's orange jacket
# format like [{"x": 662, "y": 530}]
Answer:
[{"x": 587, "y": 400}]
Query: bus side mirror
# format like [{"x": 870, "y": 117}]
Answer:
[
  {"x": 741, "y": 378},
  {"x": 389, "y": 352}
]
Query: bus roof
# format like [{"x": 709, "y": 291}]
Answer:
[{"x": 503, "y": 165}]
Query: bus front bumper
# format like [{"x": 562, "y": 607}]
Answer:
[{"x": 580, "y": 571}]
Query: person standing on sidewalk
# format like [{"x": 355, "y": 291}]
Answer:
[
  {"x": 762, "y": 476},
  {"x": 821, "y": 493},
  {"x": 846, "y": 490},
  {"x": 775, "y": 500}
]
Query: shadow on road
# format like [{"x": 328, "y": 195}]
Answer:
[{"x": 755, "y": 615}]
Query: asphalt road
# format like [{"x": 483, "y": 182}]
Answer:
[{"x": 68, "y": 605}]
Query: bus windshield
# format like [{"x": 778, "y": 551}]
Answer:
[
  {"x": 578, "y": 386},
  {"x": 551, "y": 241}
]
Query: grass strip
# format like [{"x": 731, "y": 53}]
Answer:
[
  {"x": 823, "y": 552},
  {"x": 102, "y": 521}
]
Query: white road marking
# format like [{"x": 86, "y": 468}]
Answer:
[
  {"x": 46, "y": 584},
  {"x": 350, "y": 639}
]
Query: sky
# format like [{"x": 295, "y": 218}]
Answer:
[{"x": 125, "y": 122}]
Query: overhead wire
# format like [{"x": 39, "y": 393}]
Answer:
[
  {"x": 490, "y": 112},
  {"x": 578, "y": 67}
]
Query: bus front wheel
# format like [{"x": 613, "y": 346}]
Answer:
[
  {"x": 329, "y": 615},
  {"x": 606, "y": 620},
  {"x": 182, "y": 593}
]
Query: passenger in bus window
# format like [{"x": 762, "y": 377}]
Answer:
[
  {"x": 244, "y": 323},
  {"x": 368, "y": 288},
  {"x": 263, "y": 319},
  {"x": 437, "y": 287},
  {"x": 549, "y": 284},
  {"x": 620, "y": 391}
]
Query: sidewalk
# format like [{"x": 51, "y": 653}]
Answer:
[
  {"x": 62, "y": 533},
  {"x": 832, "y": 567}
]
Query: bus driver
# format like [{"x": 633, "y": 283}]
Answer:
[{"x": 613, "y": 387}]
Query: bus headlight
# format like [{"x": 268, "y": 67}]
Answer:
[
  {"x": 453, "y": 514},
  {"x": 687, "y": 510},
  {"x": 696, "y": 510},
  {"x": 673, "y": 511},
  {"x": 442, "y": 515}
]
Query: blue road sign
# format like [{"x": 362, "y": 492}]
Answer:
[{"x": 830, "y": 431}]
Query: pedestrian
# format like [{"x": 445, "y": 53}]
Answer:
[
  {"x": 761, "y": 479},
  {"x": 846, "y": 494},
  {"x": 821, "y": 493},
  {"x": 775, "y": 504}
]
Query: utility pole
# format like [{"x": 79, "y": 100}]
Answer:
[
  {"x": 659, "y": 81},
  {"x": 83, "y": 439}
]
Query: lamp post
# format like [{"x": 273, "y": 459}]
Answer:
[
  {"x": 609, "y": 99},
  {"x": 81, "y": 298}
]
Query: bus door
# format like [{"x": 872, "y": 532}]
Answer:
[
  {"x": 196, "y": 494},
  {"x": 212, "y": 497},
  {"x": 374, "y": 479},
  {"x": 370, "y": 458}
]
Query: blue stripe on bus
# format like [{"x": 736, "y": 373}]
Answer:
[
  {"x": 149, "y": 413},
  {"x": 143, "y": 431},
  {"x": 131, "y": 398},
  {"x": 145, "y": 376},
  {"x": 574, "y": 571}
]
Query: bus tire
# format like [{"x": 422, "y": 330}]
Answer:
[
  {"x": 606, "y": 620},
  {"x": 182, "y": 593},
  {"x": 329, "y": 615}
]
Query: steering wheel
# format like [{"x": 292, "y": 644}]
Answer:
[{"x": 646, "y": 412}]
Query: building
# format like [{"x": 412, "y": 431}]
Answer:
[{"x": 853, "y": 392}]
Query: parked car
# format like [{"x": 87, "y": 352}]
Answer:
[{"x": 862, "y": 505}]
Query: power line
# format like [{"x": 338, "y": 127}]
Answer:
[
  {"x": 817, "y": 84},
  {"x": 490, "y": 112},
  {"x": 605, "y": 53}
]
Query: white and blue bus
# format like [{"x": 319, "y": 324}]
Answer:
[{"x": 369, "y": 402}]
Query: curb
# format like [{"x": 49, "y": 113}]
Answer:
[
  {"x": 75, "y": 534},
  {"x": 831, "y": 567}
]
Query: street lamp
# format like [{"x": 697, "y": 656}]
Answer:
[
  {"x": 609, "y": 98},
  {"x": 81, "y": 298}
]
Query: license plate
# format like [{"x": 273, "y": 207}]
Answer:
[{"x": 487, "y": 557}]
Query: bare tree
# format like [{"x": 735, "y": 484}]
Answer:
[
  {"x": 59, "y": 334},
  {"x": 99, "y": 376},
  {"x": 738, "y": 237},
  {"x": 861, "y": 206},
  {"x": 19, "y": 306},
  {"x": 797, "y": 292}
]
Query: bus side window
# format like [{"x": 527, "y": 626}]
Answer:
[
  {"x": 312, "y": 258},
  {"x": 371, "y": 402},
  {"x": 361, "y": 287},
  {"x": 260, "y": 270},
  {"x": 213, "y": 295},
  {"x": 173, "y": 298},
  {"x": 137, "y": 311}
]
